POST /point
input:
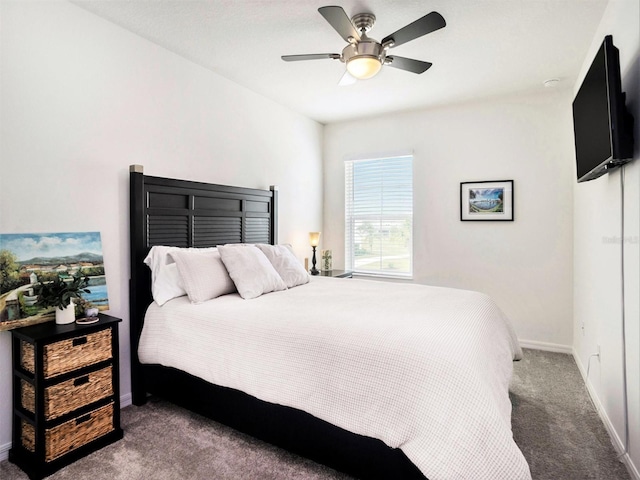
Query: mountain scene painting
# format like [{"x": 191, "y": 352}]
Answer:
[
  {"x": 27, "y": 259},
  {"x": 486, "y": 200}
]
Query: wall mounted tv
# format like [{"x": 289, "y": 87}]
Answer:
[{"x": 602, "y": 126}]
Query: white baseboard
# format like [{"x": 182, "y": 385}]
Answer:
[
  {"x": 549, "y": 347},
  {"x": 4, "y": 451},
  {"x": 618, "y": 444},
  {"x": 631, "y": 468},
  {"x": 125, "y": 401}
]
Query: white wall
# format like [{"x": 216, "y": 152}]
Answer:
[
  {"x": 82, "y": 99},
  {"x": 597, "y": 253},
  {"x": 524, "y": 265}
]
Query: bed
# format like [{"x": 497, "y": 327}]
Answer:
[{"x": 350, "y": 391}]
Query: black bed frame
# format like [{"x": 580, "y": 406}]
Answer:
[{"x": 182, "y": 213}]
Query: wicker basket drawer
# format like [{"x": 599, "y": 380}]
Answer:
[
  {"x": 28, "y": 436},
  {"x": 71, "y": 354},
  {"x": 65, "y": 397},
  {"x": 72, "y": 434}
]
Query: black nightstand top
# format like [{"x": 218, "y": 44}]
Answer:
[
  {"x": 50, "y": 329},
  {"x": 337, "y": 273}
]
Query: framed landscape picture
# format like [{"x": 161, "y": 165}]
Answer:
[
  {"x": 488, "y": 200},
  {"x": 27, "y": 259}
]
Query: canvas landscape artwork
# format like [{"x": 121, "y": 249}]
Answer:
[{"x": 27, "y": 259}]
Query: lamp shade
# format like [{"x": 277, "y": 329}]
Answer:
[
  {"x": 363, "y": 67},
  {"x": 314, "y": 238}
]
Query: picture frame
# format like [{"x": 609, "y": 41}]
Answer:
[{"x": 487, "y": 200}]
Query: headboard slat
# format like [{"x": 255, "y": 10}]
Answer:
[
  {"x": 210, "y": 231},
  {"x": 257, "y": 230}
]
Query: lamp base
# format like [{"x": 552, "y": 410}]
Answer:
[{"x": 314, "y": 270}]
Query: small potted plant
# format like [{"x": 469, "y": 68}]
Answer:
[{"x": 60, "y": 294}]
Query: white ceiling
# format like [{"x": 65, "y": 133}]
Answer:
[{"x": 488, "y": 48}]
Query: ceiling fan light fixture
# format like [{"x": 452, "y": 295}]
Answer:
[{"x": 363, "y": 67}]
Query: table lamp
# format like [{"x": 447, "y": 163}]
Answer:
[{"x": 314, "y": 240}]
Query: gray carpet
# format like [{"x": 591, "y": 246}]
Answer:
[{"x": 554, "y": 424}]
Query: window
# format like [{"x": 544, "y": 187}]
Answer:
[{"x": 379, "y": 216}]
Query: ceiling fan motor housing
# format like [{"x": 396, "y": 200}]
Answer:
[{"x": 366, "y": 47}]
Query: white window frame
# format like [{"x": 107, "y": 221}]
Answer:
[{"x": 379, "y": 217}]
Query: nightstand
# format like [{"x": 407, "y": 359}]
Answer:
[
  {"x": 66, "y": 395},
  {"x": 337, "y": 273}
]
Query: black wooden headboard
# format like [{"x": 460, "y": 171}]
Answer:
[{"x": 181, "y": 213}]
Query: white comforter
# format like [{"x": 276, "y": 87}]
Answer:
[{"x": 424, "y": 369}]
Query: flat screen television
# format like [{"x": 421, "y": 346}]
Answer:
[{"x": 603, "y": 128}]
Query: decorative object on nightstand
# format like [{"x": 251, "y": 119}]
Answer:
[
  {"x": 326, "y": 258},
  {"x": 314, "y": 240},
  {"x": 90, "y": 316},
  {"x": 60, "y": 293},
  {"x": 66, "y": 394}
]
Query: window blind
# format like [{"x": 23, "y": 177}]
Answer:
[{"x": 379, "y": 216}]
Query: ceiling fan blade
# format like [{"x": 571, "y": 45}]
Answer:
[
  {"x": 408, "y": 64},
  {"x": 346, "y": 80},
  {"x": 310, "y": 56},
  {"x": 429, "y": 23},
  {"x": 339, "y": 20}
]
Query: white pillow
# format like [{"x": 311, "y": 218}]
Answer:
[
  {"x": 250, "y": 270},
  {"x": 157, "y": 258},
  {"x": 203, "y": 274},
  {"x": 168, "y": 285},
  {"x": 165, "y": 279},
  {"x": 286, "y": 264}
]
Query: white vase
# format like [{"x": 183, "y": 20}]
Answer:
[{"x": 68, "y": 315}]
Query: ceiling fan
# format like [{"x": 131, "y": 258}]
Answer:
[{"x": 365, "y": 56}]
